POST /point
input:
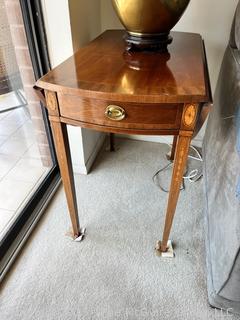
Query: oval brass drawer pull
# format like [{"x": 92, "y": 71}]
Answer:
[{"x": 115, "y": 113}]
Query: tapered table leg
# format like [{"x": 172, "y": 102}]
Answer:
[
  {"x": 180, "y": 160},
  {"x": 60, "y": 136}
]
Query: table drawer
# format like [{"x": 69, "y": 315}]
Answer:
[{"x": 120, "y": 115}]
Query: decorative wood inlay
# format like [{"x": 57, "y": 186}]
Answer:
[
  {"x": 52, "y": 102},
  {"x": 189, "y": 115}
]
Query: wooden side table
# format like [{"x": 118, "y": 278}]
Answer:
[{"x": 102, "y": 87}]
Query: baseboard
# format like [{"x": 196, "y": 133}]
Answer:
[
  {"x": 159, "y": 139},
  {"x": 79, "y": 169},
  {"x": 84, "y": 169}
]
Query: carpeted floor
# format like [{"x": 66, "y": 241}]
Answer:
[{"x": 114, "y": 273}]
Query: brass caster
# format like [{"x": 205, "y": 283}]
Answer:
[{"x": 167, "y": 254}]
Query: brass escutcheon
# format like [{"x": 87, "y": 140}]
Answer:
[{"x": 115, "y": 113}]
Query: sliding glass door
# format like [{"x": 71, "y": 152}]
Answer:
[{"x": 28, "y": 168}]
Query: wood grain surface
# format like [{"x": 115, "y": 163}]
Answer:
[{"x": 103, "y": 70}]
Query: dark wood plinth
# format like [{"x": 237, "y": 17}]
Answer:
[{"x": 148, "y": 43}]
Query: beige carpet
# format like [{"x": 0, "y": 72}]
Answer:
[{"x": 114, "y": 273}]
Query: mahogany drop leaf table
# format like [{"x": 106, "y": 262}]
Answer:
[{"x": 105, "y": 88}]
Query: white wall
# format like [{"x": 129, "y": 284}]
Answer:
[
  {"x": 211, "y": 18},
  {"x": 58, "y": 29},
  {"x": 69, "y": 25},
  {"x": 85, "y": 20}
]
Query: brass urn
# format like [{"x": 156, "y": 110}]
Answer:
[{"x": 148, "y": 22}]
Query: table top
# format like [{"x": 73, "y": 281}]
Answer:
[{"x": 104, "y": 70}]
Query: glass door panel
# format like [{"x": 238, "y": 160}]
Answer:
[{"x": 25, "y": 145}]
